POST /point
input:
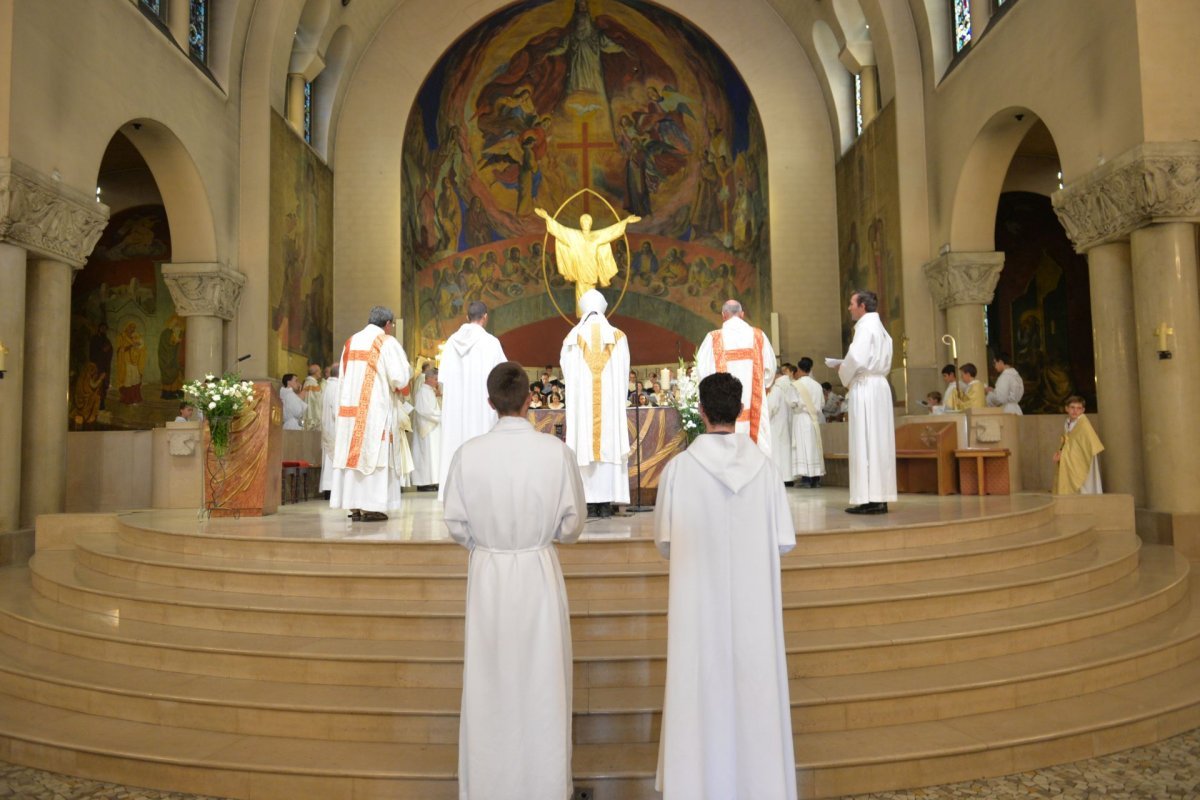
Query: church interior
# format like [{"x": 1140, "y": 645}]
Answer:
[{"x": 1016, "y": 178}]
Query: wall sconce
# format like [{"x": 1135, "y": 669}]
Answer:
[
  {"x": 3, "y": 359},
  {"x": 1161, "y": 333}
]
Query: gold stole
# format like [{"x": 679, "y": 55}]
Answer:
[{"x": 596, "y": 356}]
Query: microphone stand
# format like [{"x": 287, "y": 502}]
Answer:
[{"x": 637, "y": 425}]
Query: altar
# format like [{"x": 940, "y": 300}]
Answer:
[{"x": 658, "y": 429}]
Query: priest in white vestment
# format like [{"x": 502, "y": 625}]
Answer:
[
  {"x": 329, "y": 416},
  {"x": 723, "y": 521},
  {"x": 745, "y": 353},
  {"x": 1010, "y": 388},
  {"x": 509, "y": 495},
  {"x": 781, "y": 404},
  {"x": 371, "y": 454},
  {"x": 864, "y": 371},
  {"x": 808, "y": 452},
  {"x": 595, "y": 362},
  {"x": 427, "y": 439},
  {"x": 293, "y": 407},
  {"x": 468, "y": 357}
]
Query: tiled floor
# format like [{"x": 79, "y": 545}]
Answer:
[{"x": 1169, "y": 769}]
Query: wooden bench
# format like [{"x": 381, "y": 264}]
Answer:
[{"x": 983, "y": 470}]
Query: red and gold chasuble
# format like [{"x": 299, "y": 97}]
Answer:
[
  {"x": 753, "y": 354},
  {"x": 359, "y": 412}
]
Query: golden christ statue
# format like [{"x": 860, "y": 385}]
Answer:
[{"x": 585, "y": 256}]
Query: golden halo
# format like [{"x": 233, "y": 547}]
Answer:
[{"x": 546, "y": 239}]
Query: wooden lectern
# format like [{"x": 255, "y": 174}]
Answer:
[{"x": 246, "y": 482}]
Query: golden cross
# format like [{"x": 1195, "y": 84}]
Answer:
[{"x": 1162, "y": 332}]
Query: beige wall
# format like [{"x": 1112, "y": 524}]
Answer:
[{"x": 800, "y": 156}]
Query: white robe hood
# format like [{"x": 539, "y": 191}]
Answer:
[
  {"x": 733, "y": 458},
  {"x": 469, "y": 335}
]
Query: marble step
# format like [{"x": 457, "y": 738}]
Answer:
[
  {"x": 828, "y": 763},
  {"x": 1157, "y": 585},
  {"x": 56, "y": 576},
  {"x": 958, "y": 519},
  {"x": 613, "y": 715},
  {"x": 109, "y": 555}
]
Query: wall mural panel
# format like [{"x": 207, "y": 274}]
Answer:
[
  {"x": 868, "y": 208},
  {"x": 547, "y": 97},
  {"x": 301, "y": 255},
  {"x": 1042, "y": 312},
  {"x": 127, "y": 342}
]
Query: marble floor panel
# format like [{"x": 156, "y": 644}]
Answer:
[
  {"x": 421, "y": 518},
  {"x": 1169, "y": 769}
]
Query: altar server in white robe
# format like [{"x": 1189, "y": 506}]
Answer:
[
  {"x": 427, "y": 440},
  {"x": 293, "y": 407},
  {"x": 722, "y": 519},
  {"x": 864, "y": 371},
  {"x": 808, "y": 452},
  {"x": 781, "y": 404},
  {"x": 311, "y": 393},
  {"x": 595, "y": 362},
  {"x": 509, "y": 494},
  {"x": 1010, "y": 388},
  {"x": 468, "y": 357},
  {"x": 371, "y": 452},
  {"x": 744, "y": 352},
  {"x": 329, "y": 417}
]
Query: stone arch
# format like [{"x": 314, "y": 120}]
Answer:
[
  {"x": 777, "y": 72},
  {"x": 838, "y": 83},
  {"x": 189, "y": 212},
  {"x": 329, "y": 87},
  {"x": 977, "y": 193},
  {"x": 933, "y": 25}
]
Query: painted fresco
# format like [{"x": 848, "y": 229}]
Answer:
[
  {"x": 868, "y": 208},
  {"x": 301, "y": 255},
  {"x": 548, "y": 97},
  {"x": 127, "y": 342},
  {"x": 1042, "y": 311}
]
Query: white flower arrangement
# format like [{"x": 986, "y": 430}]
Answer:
[
  {"x": 686, "y": 399},
  {"x": 222, "y": 398}
]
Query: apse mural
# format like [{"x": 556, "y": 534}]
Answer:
[
  {"x": 868, "y": 204},
  {"x": 126, "y": 339},
  {"x": 301, "y": 255},
  {"x": 549, "y": 97}
]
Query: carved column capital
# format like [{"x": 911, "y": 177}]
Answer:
[
  {"x": 212, "y": 290},
  {"x": 1153, "y": 182},
  {"x": 958, "y": 279},
  {"x": 47, "y": 218}
]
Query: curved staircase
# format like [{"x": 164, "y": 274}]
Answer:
[{"x": 255, "y": 666}]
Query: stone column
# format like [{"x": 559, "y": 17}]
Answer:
[
  {"x": 1113, "y": 340},
  {"x": 207, "y": 295},
  {"x": 47, "y": 383},
  {"x": 962, "y": 284},
  {"x": 57, "y": 226},
  {"x": 1149, "y": 195},
  {"x": 12, "y": 338},
  {"x": 870, "y": 93},
  {"x": 1166, "y": 296},
  {"x": 295, "y": 100}
]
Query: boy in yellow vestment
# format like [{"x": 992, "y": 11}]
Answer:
[{"x": 1077, "y": 468}]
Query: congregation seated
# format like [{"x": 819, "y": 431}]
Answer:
[
  {"x": 555, "y": 400},
  {"x": 537, "y": 395}
]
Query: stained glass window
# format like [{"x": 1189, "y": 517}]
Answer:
[
  {"x": 308, "y": 97},
  {"x": 156, "y": 7},
  {"x": 198, "y": 30},
  {"x": 858, "y": 120},
  {"x": 962, "y": 24}
]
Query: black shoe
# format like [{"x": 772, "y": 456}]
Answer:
[
  {"x": 814, "y": 483},
  {"x": 593, "y": 510},
  {"x": 355, "y": 514},
  {"x": 790, "y": 484},
  {"x": 865, "y": 508},
  {"x": 606, "y": 510},
  {"x": 374, "y": 516}
]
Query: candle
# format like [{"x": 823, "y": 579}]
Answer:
[
  {"x": 664, "y": 377},
  {"x": 3, "y": 353}
]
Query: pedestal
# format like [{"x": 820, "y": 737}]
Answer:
[
  {"x": 994, "y": 429},
  {"x": 247, "y": 481}
]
